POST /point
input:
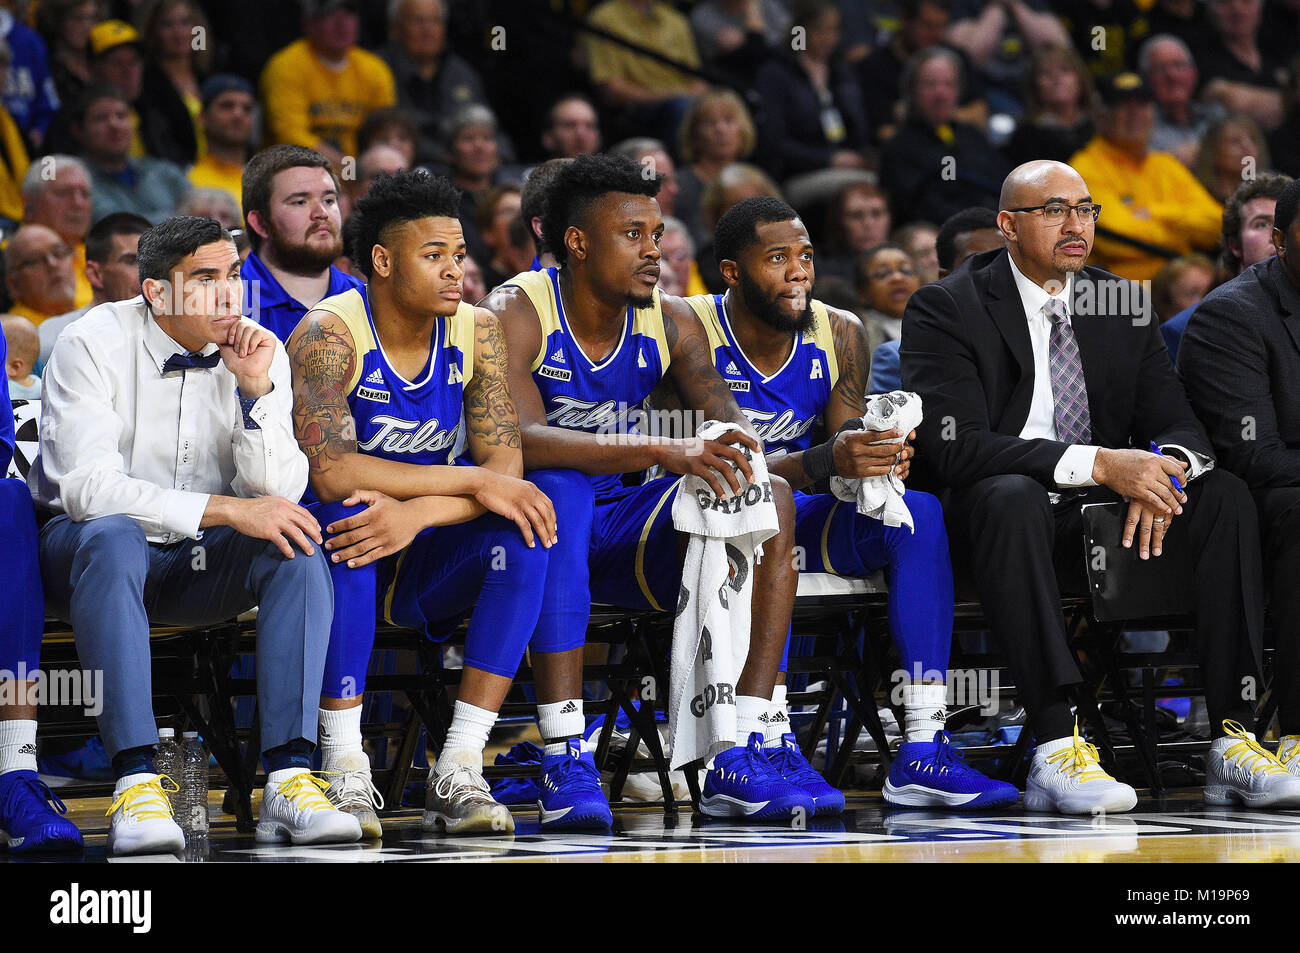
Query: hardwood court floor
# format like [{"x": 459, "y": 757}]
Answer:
[{"x": 1180, "y": 828}]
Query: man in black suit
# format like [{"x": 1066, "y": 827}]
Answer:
[
  {"x": 1043, "y": 384},
  {"x": 1240, "y": 361}
]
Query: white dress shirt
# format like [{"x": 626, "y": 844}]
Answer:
[
  {"x": 120, "y": 437},
  {"x": 1074, "y": 469}
]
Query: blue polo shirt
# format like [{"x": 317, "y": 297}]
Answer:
[{"x": 277, "y": 310}]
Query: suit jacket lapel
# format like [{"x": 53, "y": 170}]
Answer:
[{"x": 1009, "y": 313}]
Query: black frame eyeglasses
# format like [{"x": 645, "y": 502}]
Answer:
[{"x": 1060, "y": 211}]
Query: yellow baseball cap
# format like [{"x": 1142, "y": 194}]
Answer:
[{"x": 110, "y": 34}]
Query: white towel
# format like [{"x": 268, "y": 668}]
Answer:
[
  {"x": 881, "y": 497},
  {"x": 711, "y": 628}
]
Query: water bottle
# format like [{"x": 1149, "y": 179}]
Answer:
[
  {"x": 167, "y": 761},
  {"x": 194, "y": 787}
]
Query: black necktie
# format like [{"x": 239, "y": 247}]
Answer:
[{"x": 188, "y": 362}]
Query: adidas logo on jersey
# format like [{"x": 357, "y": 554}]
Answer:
[
  {"x": 558, "y": 356},
  {"x": 732, "y": 369},
  {"x": 453, "y": 375},
  {"x": 375, "y": 377}
]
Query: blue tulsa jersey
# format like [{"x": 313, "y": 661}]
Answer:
[
  {"x": 580, "y": 394},
  {"x": 419, "y": 421},
  {"x": 785, "y": 407}
]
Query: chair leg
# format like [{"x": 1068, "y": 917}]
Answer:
[
  {"x": 219, "y": 729},
  {"x": 402, "y": 760}
]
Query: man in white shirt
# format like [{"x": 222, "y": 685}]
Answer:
[
  {"x": 1046, "y": 385},
  {"x": 167, "y": 450}
]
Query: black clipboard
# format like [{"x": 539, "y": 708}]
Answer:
[{"x": 1124, "y": 586}]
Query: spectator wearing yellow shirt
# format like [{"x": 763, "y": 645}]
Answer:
[
  {"x": 38, "y": 273},
  {"x": 656, "y": 94},
  {"x": 57, "y": 194},
  {"x": 228, "y": 127},
  {"x": 318, "y": 90},
  {"x": 1146, "y": 196}
]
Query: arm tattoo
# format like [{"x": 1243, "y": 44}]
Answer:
[
  {"x": 489, "y": 409},
  {"x": 323, "y": 362},
  {"x": 698, "y": 382},
  {"x": 850, "y": 354}
]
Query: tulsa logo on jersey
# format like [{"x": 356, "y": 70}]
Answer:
[
  {"x": 786, "y": 406},
  {"x": 581, "y": 394},
  {"x": 412, "y": 422}
]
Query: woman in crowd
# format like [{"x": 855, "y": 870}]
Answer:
[
  {"x": 857, "y": 220},
  {"x": 716, "y": 131},
  {"x": 886, "y": 279},
  {"x": 1233, "y": 150},
  {"x": 1060, "y": 101},
  {"x": 175, "y": 66}
]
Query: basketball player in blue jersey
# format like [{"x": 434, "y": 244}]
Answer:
[
  {"x": 797, "y": 366},
  {"x": 401, "y": 405},
  {"x": 588, "y": 341}
]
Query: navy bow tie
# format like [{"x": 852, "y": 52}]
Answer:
[{"x": 188, "y": 362}]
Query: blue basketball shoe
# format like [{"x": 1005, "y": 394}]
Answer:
[
  {"x": 790, "y": 763},
  {"x": 571, "y": 798},
  {"x": 27, "y": 820},
  {"x": 932, "y": 774},
  {"x": 743, "y": 783}
]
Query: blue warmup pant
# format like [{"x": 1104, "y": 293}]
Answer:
[
  {"x": 566, "y": 602},
  {"x": 835, "y": 539},
  {"x": 110, "y": 583},
  {"x": 634, "y": 547},
  {"x": 22, "y": 604},
  {"x": 484, "y": 565}
]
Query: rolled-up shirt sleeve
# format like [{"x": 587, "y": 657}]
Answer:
[
  {"x": 268, "y": 460},
  {"x": 81, "y": 470}
]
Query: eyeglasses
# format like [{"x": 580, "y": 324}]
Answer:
[
  {"x": 1054, "y": 213},
  {"x": 54, "y": 257},
  {"x": 907, "y": 271}
]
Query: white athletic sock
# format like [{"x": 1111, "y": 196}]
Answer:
[
  {"x": 751, "y": 714},
  {"x": 466, "y": 738},
  {"x": 925, "y": 709},
  {"x": 339, "y": 732},
  {"x": 17, "y": 745},
  {"x": 560, "y": 721},
  {"x": 778, "y": 718}
]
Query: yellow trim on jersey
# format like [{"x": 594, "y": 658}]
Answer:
[
  {"x": 462, "y": 333},
  {"x": 820, "y": 334},
  {"x": 705, "y": 310},
  {"x": 640, "y": 546},
  {"x": 650, "y": 322},
  {"x": 826, "y": 535},
  {"x": 350, "y": 308},
  {"x": 537, "y": 285}
]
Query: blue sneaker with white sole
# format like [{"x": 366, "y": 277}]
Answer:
[
  {"x": 571, "y": 798},
  {"x": 30, "y": 818},
  {"x": 744, "y": 783},
  {"x": 933, "y": 774},
  {"x": 790, "y": 763}
]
